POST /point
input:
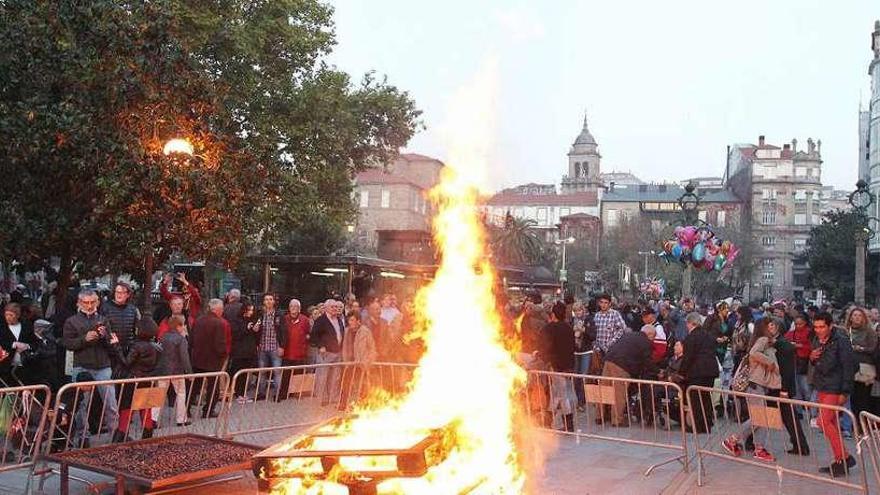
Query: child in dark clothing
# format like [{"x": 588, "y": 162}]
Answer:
[{"x": 142, "y": 361}]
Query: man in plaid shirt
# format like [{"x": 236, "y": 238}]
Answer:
[{"x": 609, "y": 325}]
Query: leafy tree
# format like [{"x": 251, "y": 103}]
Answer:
[
  {"x": 516, "y": 242},
  {"x": 90, "y": 92},
  {"x": 831, "y": 252}
]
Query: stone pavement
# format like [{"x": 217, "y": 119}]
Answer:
[{"x": 588, "y": 467}]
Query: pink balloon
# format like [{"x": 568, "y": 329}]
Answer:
[{"x": 689, "y": 234}]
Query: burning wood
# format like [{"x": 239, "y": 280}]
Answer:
[{"x": 323, "y": 454}]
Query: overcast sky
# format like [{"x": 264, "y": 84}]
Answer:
[{"x": 667, "y": 85}]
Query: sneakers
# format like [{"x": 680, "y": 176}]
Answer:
[
  {"x": 762, "y": 455},
  {"x": 732, "y": 446}
]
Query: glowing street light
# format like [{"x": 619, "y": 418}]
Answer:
[{"x": 178, "y": 145}]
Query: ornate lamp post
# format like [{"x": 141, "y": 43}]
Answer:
[
  {"x": 861, "y": 199},
  {"x": 689, "y": 202},
  {"x": 563, "y": 273}
]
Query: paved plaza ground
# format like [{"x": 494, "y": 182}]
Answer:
[{"x": 586, "y": 467}]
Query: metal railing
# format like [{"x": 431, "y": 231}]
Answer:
[
  {"x": 267, "y": 405},
  {"x": 91, "y": 413},
  {"x": 773, "y": 433},
  {"x": 23, "y": 414},
  {"x": 639, "y": 412},
  {"x": 870, "y": 425}
]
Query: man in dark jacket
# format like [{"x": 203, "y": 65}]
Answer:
[
  {"x": 209, "y": 351},
  {"x": 556, "y": 348},
  {"x": 629, "y": 357},
  {"x": 122, "y": 316},
  {"x": 699, "y": 367},
  {"x": 833, "y": 369},
  {"x": 327, "y": 335},
  {"x": 86, "y": 334}
]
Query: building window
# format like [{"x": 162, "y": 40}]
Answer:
[
  {"x": 564, "y": 212},
  {"x": 800, "y": 218},
  {"x": 721, "y": 218},
  {"x": 542, "y": 216},
  {"x": 386, "y": 198},
  {"x": 800, "y": 244},
  {"x": 800, "y": 196},
  {"x": 769, "y": 218},
  {"x": 768, "y": 241},
  {"x": 768, "y": 194},
  {"x": 518, "y": 212},
  {"x": 365, "y": 199},
  {"x": 701, "y": 215},
  {"x": 424, "y": 206},
  {"x": 815, "y": 219},
  {"x": 612, "y": 218},
  {"x": 800, "y": 171}
]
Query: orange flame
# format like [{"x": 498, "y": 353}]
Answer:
[{"x": 466, "y": 376}]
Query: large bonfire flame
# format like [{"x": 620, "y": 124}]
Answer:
[{"x": 466, "y": 378}]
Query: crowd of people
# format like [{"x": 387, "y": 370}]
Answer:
[
  {"x": 822, "y": 355},
  {"x": 106, "y": 338}
]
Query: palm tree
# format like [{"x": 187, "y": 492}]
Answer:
[{"x": 516, "y": 242}]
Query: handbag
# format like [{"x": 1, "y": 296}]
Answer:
[
  {"x": 866, "y": 374},
  {"x": 740, "y": 380}
]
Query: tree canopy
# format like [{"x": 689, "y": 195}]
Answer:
[
  {"x": 91, "y": 91},
  {"x": 831, "y": 252}
]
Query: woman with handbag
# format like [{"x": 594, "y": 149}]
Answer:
[
  {"x": 864, "y": 343},
  {"x": 763, "y": 376}
]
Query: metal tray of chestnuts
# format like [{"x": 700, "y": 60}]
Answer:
[{"x": 158, "y": 462}]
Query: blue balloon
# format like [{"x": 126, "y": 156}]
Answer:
[
  {"x": 676, "y": 251},
  {"x": 699, "y": 252}
]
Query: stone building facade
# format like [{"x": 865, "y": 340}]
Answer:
[
  {"x": 395, "y": 198},
  {"x": 873, "y": 136},
  {"x": 782, "y": 193},
  {"x": 584, "y": 160}
]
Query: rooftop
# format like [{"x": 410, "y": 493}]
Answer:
[
  {"x": 505, "y": 198},
  {"x": 665, "y": 193}
]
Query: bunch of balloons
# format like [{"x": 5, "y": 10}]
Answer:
[
  {"x": 700, "y": 247},
  {"x": 653, "y": 288}
]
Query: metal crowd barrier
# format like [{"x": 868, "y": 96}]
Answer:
[
  {"x": 92, "y": 413},
  {"x": 870, "y": 425},
  {"x": 267, "y": 405},
  {"x": 639, "y": 412},
  {"x": 23, "y": 414},
  {"x": 779, "y": 425}
]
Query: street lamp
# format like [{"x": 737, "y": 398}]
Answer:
[
  {"x": 689, "y": 202},
  {"x": 178, "y": 145},
  {"x": 563, "y": 274},
  {"x": 646, "y": 254},
  {"x": 861, "y": 199}
]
